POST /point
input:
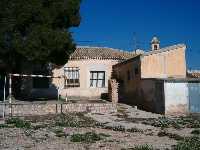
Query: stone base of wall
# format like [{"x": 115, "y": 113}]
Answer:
[
  {"x": 177, "y": 110},
  {"x": 48, "y": 108}
]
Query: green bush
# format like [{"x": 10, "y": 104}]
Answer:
[
  {"x": 143, "y": 147},
  {"x": 134, "y": 130},
  {"x": 3, "y": 126},
  {"x": 196, "y": 132},
  {"x": 170, "y": 135},
  {"x": 74, "y": 120},
  {"x": 162, "y": 122},
  {"x": 180, "y": 122},
  {"x": 190, "y": 143},
  {"x": 60, "y": 133},
  {"x": 19, "y": 123},
  {"x": 88, "y": 137}
]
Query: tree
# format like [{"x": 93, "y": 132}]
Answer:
[{"x": 37, "y": 31}]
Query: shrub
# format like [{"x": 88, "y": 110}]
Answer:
[
  {"x": 162, "y": 122},
  {"x": 196, "y": 131},
  {"x": 88, "y": 137},
  {"x": 3, "y": 126},
  {"x": 190, "y": 143},
  {"x": 74, "y": 120},
  {"x": 170, "y": 135},
  {"x": 143, "y": 147},
  {"x": 135, "y": 130},
  {"x": 19, "y": 123},
  {"x": 60, "y": 133}
]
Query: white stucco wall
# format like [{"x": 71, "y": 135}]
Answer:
[{"x": 176, "y": 98}]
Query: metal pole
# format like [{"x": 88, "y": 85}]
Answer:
[
  {"x": 10, "y": 94},
  {"x": 58, "y": 95},
  {"x": 4, "y": 97}
]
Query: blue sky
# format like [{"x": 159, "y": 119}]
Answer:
[{"x": 116, "y": 23}]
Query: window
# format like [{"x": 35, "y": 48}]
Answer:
[
  {"x": 97, "y": 78},
  {"x": 72, "y": 75}
]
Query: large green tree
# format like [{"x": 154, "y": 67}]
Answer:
[{"x": 37, "y": 31}]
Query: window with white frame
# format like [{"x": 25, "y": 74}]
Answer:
[
  {"x": 97, "y": 79},
  {"x": 72, "y": 77}
]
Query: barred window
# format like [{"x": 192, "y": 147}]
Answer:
[
  {"x": 72, "y": 77},
  {"x": 97, "y": 78}
]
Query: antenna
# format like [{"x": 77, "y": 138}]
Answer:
[{"x": 136, "y": 42}]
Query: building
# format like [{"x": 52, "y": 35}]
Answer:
[
  {"x": 87, "y": 73},
  {"x": 193, "y": 73},
  {"x": 156, "y": 80}
]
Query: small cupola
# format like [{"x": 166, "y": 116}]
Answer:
[{"x": 155, "y": 44}]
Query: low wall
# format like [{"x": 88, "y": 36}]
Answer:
[{"x": 28, "y": 109}]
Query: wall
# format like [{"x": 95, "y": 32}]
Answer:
[
  {"x": 85, "y": 67},
  {"x": 31, "y": 109},
  {"x": 127, "y": 86},
  {"x": 176, "y": 97},
  {"x": 147, "y": 94},
  {"x": 165, "y": 64}
]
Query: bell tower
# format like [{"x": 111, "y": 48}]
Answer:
[{"x": 155, "y": 44}]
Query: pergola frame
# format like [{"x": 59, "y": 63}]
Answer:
[{"x": 26, "y": 75}]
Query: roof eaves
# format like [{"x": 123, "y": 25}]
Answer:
[{"x": 169, "y": 48}]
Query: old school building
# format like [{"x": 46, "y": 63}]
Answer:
[
  {"x": 156, "y": 80},
  {"x": 88, "y": 71}
]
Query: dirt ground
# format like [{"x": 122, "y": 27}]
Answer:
[{"x": 125, "y": 129}]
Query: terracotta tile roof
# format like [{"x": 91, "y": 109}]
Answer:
[
  {"x": 86, "y": 52},
  {"x": 193, "y": 74}
]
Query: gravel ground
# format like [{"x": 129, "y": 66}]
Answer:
[{"x": 133, "y": 131}]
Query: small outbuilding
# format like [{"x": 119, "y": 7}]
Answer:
[{"x": 157, "y": 81}]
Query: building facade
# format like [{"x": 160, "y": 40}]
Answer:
[
  {"x": 141, "y": 78},
  {"x": 88, "y": 71}
]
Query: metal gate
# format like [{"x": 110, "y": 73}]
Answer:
[{"x": 194, "y": 97}]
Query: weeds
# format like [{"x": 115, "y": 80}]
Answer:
[
  {"x": 143, "y": 147},
  {"x": 190, "y": 143},
  {"x": 19, "y": 123},
  {"x": 60, "y": 133},
  {"x": 196, "y": 132},
  {"x": 170, "y": 135},
  {"x": 3, "y": 126},
  {"x": 178, "y": 123},
  {"x": 140, "y": 147},
  {"x": 134, "y": 130},
  {"x": 89, "y": 137},
  {"x": 74, "y": 120}
]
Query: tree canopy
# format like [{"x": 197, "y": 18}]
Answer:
[{"x": 37, "y": 31}]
